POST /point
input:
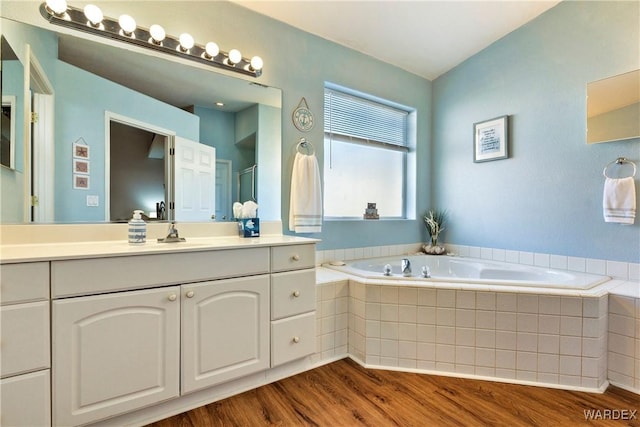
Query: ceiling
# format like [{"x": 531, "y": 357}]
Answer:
[{"x": 424, "y": 37}]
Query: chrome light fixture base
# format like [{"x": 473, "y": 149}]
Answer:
[{"x": 110, "y": 28}]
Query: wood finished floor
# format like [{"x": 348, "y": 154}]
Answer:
[{"x": 344, "y": 394}]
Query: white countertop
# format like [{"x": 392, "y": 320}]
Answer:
[{"x": 114, "y": 248}]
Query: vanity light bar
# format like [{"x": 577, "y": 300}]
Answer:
[{"x": 125, "y": 29}]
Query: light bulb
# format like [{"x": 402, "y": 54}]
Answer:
[
  {"x": 234, "y": 56},
  {"x": 93, "y": 14},
  {"x": 128, "y": 24},
  {"x": 186, "y": 42},
  {"x": 59, "y": 7},
  {"x": 212, "y": 50},
  {"x": 157, "y": 34},
  {"x": 256, "y": 63}
]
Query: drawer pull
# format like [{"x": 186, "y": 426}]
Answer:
[
  {"x": 173, "y": 297},
  {"x": 296, "y": 340},
  {"x": 190, "y": 294},
  {"x": 295, "y": 257},
  {"x": 296, "y": 294}
]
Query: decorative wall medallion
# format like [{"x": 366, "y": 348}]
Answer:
[{"x": 303, "y": 117}]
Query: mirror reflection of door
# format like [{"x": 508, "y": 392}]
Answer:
[
  {"x": 8, "y": 124},
  {"x": 11, "y": 72},
  {"x": 137, "y": 172},
  {"x": 223, "y": 190},
  {"x": 194, "y": 181}
]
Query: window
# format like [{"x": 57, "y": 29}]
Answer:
[{"x": 366, "y": 147}]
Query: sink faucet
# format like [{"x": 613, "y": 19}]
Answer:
[
  {"x": 172, "y": 235},
  {"x": 406, "y": 267},
  {"x": 173, "y": 232}
]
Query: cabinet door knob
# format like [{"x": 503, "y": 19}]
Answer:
[
  {"x": 296, "y": 294},
  {"x": 296, "y": 257},
  {"x": 296, "y": 339},
  {"x": 190, "y": 294},
  {"x": 173, "y": 297}
]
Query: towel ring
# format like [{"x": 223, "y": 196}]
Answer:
[
  {"x": 619, "y": 161},
  {"x": 305, "y": 145}
]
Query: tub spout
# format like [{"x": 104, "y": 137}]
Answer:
[{"x": 406, "y": 267}]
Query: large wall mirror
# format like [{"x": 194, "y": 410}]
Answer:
[
  {"x": 116, "y": 112},
  {"x": 613, "y": 108}
]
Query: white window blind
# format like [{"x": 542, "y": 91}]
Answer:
[{"x": 364, "y": 121}]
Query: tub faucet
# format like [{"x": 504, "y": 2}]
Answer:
[{"x": 406, "y": 267}]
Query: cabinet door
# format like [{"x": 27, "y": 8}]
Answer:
[
  {"x": 114, "y": 353},
  {"x": 292, "y": 338},
  {"x": 293, "y": 292},
  {"x": 24, "y": 330},
  {"x": 225, "y": 330},
  {"x": 25, "y": 400}
]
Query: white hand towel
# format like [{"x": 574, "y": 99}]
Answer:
[
  {"x": 305, "y": 210},
  {"x": 619, "y": 200}
]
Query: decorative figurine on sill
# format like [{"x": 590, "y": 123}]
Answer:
[{"x": 371, "y": 212}]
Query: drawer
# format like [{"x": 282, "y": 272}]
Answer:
[
  {"x": 293, "y": 257},
  {"x": 99, "y": 275},
  {"x": 293, "y": 292},
  {"x": 24, "y": 282},
  {"x": 24, "y": 338},
  {"x": 26, "y": 400},
  {"x": 293, "y": 338}
]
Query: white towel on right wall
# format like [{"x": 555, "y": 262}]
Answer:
[
  {"x": 305, "y": 211},
  {"x": 619, "y": 200}
]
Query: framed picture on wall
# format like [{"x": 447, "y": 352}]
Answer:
[
  {"x": 491, "y": 139},
  {"x": 80, "y": 151},
  {"x": 81, "y": 166},
  {"x": 80, "y": 182}
]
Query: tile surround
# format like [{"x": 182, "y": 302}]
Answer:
[
  {"x": 510, "y": 341},
  {"x": 558, "y": 341},
  {"x": 624, "y": 341}
]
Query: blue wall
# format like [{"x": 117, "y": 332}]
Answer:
[
  {"x": 217, "y": 129},
  {"x": 547, "y": 197}
]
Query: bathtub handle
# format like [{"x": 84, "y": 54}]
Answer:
[
  {"x": 387, "y": 270},
  {"x": 426, "y": 272}
]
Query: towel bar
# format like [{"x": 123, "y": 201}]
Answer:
[
  {"x": 619, "y": 161},
  {"x": 304, "y": 144}
]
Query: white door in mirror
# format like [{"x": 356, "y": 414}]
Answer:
[{"x": 195, "y": 174}]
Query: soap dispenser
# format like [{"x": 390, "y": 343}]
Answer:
[{"x": 137, "y": 229}]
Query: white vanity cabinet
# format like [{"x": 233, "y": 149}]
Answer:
[
  {"x": 114, "y": 353},
  {"x": 225, "y": 330},
  {"x": 293, "y": 303},
  {"x": 116, "y": 336},
  {"x": 203, "y": 321},
  {"x": 24, "y": 345}
]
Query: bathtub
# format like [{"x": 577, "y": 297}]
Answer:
[{"x": 455, "y": 269}]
